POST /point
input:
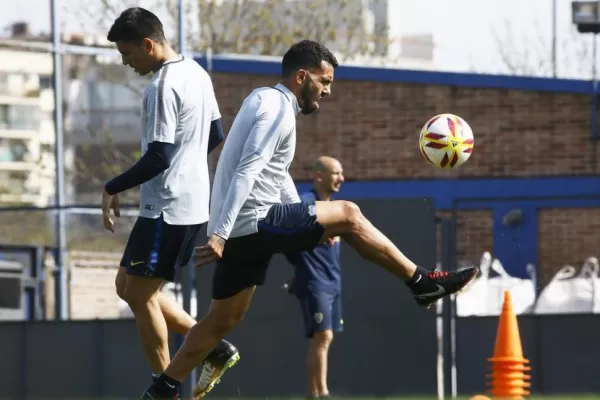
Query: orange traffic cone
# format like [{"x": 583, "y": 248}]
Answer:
[{"x": 508, "y": 379}]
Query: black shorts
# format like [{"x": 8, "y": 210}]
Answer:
[
  {"x": 321, "y": 311},
  {"x": 287, "y": 228},
  {"x": 155, "y": 248}
]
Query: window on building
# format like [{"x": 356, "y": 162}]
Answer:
[
  {"x": 3, "y": 83},
  {"x": 45, "y": 82},
  {"x": 19, "y": 117}
]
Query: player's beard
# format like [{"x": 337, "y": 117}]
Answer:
[{"x": 306, "y": 94}]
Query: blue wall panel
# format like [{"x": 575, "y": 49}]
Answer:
[
  {"x": 239, "y": 65},
  {"x": 515, "y": 247}
]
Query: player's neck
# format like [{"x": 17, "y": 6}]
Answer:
[
  {"x": 166, "y": 53},
  {"x": 285, "y": 82},
  {"x": 323, "y": 195}
]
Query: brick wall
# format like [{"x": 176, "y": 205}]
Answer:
[
  {"x": 474, "y": 232},
  {"x": 567, "y": 236},
  {"x": 373, "y": 128}
]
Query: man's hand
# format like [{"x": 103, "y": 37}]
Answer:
[
  {"x": 211, "y": 251},
  {"x": 109, "y": 202}
]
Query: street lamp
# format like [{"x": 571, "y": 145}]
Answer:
[{"x": 586, "y": 16}]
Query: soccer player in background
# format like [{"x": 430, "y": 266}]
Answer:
[
  {"x": 256, "y": 212},
  {"x": 317, "y": 282},
  {"x": 180, "y": 126}
]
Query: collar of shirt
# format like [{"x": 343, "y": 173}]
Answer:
[
  {"x": 179, "y": 58},
  {"x": 290, "y": 96},
  {"x": 317, "y": 194}
]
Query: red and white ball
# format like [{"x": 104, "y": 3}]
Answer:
[{"x": 446, "y": 141}]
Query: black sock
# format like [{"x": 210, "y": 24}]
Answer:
[
  {"x": 167, "y": 387},
  {"x": 155, "y": 377},
  {"x": 419, "y": 279}
]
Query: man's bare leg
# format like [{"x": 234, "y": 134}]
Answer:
[
  {"x": 316, "y": 363},
  {"x": 177, "y": 319},
  {"x": 343, "y": 218},
  {"x": 141, "y": 295},
  {"x": 181, "y": 322},
  {"x": 221, "y": 318}
]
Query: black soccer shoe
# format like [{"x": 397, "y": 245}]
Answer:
[
  {"x": 442, "y": 284},
  {"x": 223, "y": 357},
  {"x": 150, "y": 394}
]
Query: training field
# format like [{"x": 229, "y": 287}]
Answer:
[{"x": 561, "y": 397}]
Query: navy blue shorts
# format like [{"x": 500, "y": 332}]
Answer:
[
  {"x": 321, "y": 311},
  {"x": 155, "y": 248},
  {"x": 291, "y": 227}
]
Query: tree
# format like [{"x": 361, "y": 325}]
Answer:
[
  {"x": 530, "y": 53},
  {"x": 266, "y": 27}
]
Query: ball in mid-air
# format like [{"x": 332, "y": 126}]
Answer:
[{"x": 446, "y": 141}]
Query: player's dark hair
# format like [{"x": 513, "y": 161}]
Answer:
[
  {"x": 134, "y": 25},
  {"x": 306, "y": 54}
]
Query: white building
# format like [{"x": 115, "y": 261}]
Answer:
[
  {"x": 27, "y": 167},
  {"x": 98, "y": 109}
]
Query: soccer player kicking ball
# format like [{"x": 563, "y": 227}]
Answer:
[
  {"x": 255, "y": 212},
  {"x": 180, "y": 126}
]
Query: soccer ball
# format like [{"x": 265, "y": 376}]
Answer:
[{"x": 446, "y": 141}]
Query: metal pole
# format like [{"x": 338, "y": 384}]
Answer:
[
  {"x": 60, "y": 277},
  {"x": 594, "y": 121},
  {"x": 453, "y": 264},
  {"x": 594, "y": 56},
  {"x": 553, "y": 39},
  {"x": 181, "y": 28},
  {"x": 189, "y": 271}
]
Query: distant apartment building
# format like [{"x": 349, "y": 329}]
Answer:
[
  {"x": 27, "y": 167},
  {"x": 100, "y": 114}
]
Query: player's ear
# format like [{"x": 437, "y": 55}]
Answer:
[
  {"x": 300, "y": 76},
  {"x": 148, "y": 45}
]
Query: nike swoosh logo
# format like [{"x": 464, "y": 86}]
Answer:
[
  {"x": 134, "y": 263},
  {"x": 440, "y": 291},
  {"x": 169, "y": 385}
]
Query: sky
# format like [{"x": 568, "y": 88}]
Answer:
[{"x": 470, "y": 35}]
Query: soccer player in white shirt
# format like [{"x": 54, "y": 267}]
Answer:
[
  {"x": 180, "y": 126},
  {"x": 256, "y": 212}
]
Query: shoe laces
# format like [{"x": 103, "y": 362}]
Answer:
[
  {"x": 437, "y": 274},
  {"x": 206, "y": 375}
]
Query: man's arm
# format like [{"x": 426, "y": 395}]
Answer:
[
  {"x": 258, "y": 150},
  {"x": 216, "y": 135},
  {"x": 162, "y": 109},
  {"x": 289, "y": 193},
  {"x": 156, "y": 160}
]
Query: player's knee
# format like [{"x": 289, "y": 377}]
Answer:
[
  {"x": 323, "y": 339},
  {"x": 120, "y": 285},
  {"x": 139, "y": 293},
  {"x": 222, "y": 321},
  {"x": 354, "y": 217}
]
